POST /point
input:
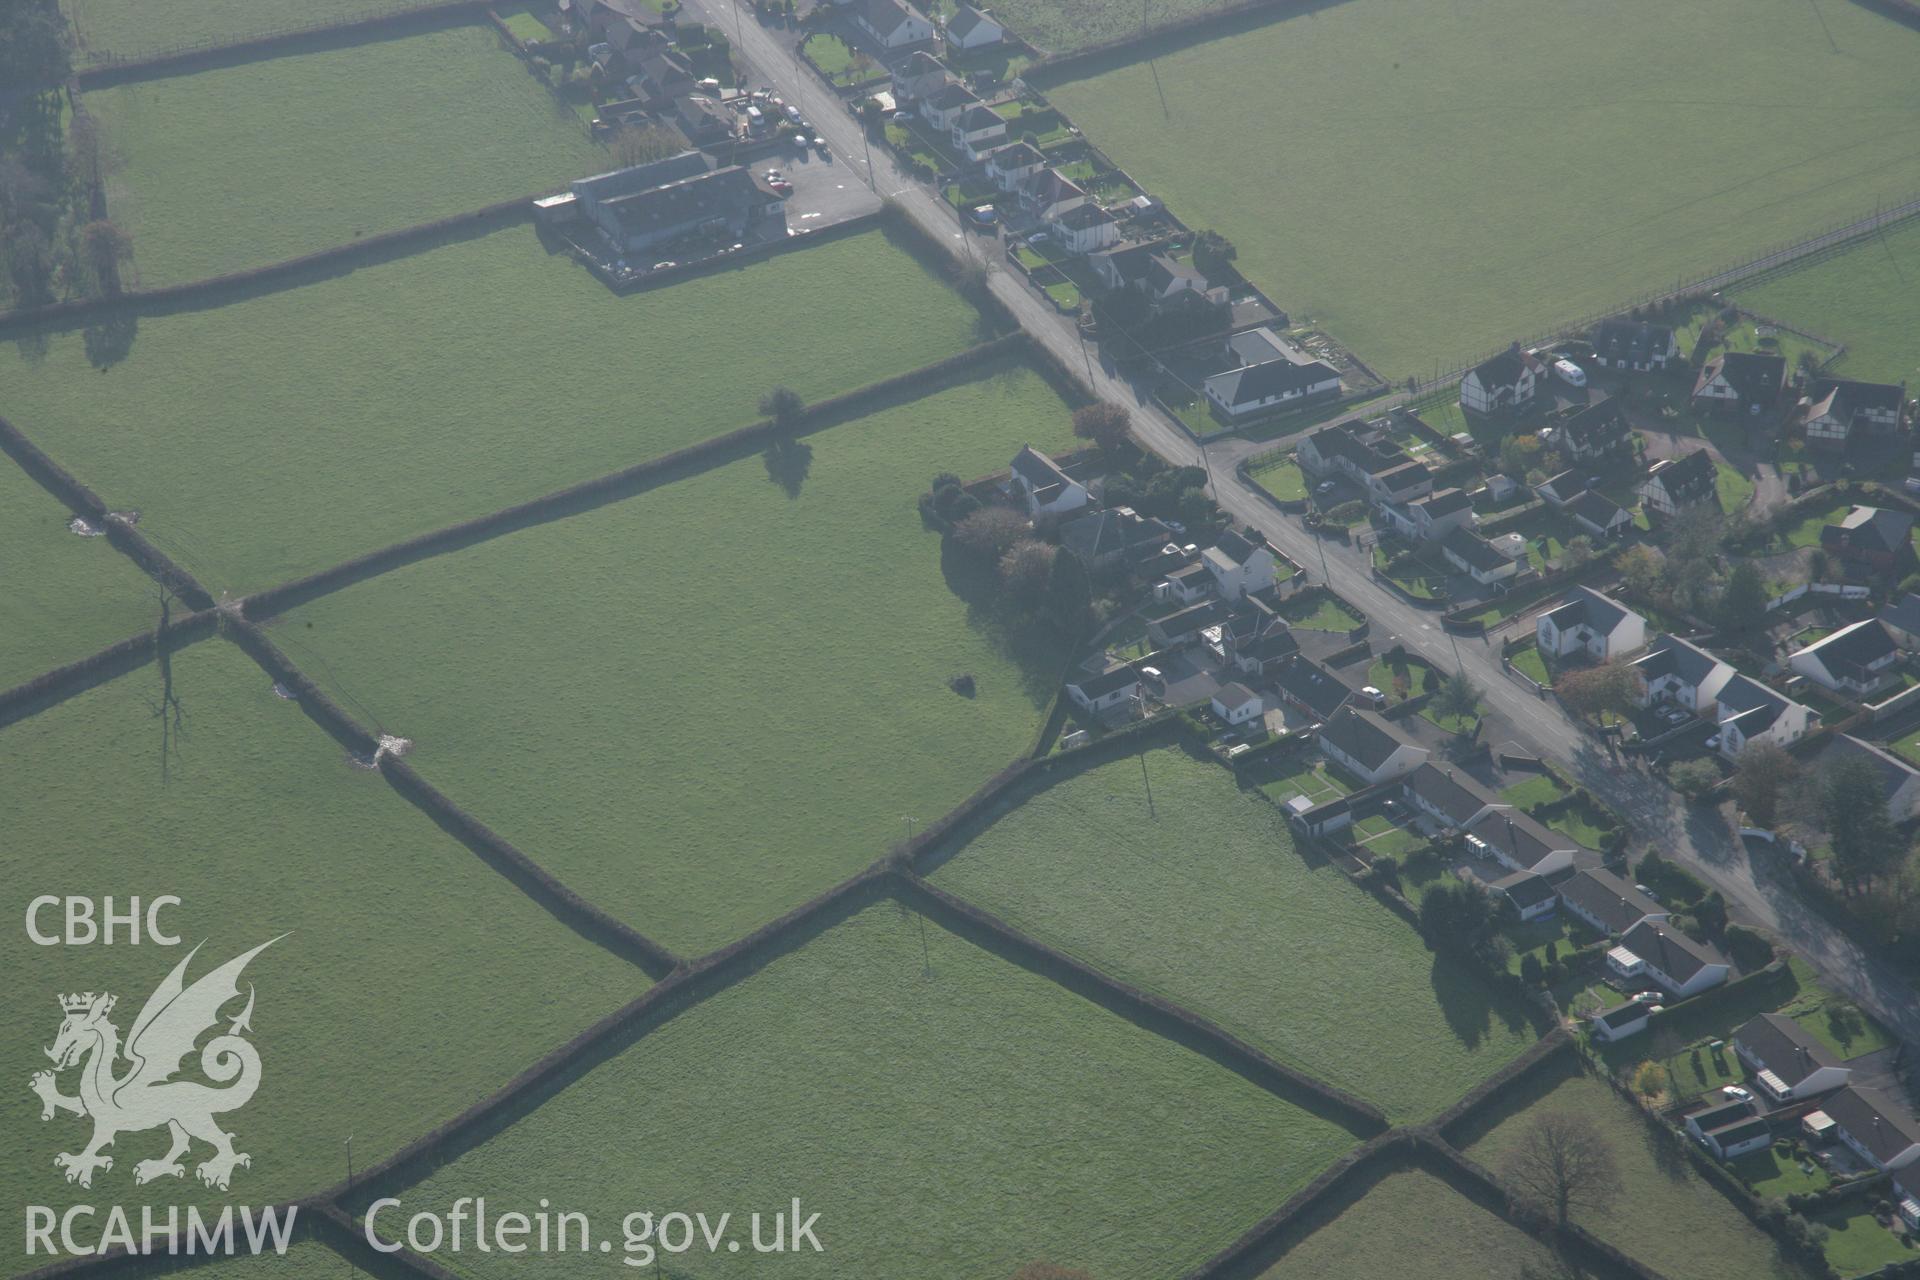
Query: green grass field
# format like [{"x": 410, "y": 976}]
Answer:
[
  {"x": 67, "y": 596},
  {"x": 704, "y": 705},
  {"x": 944, "y": 1111},
  {"x": 276, "y": 436},
  {"x": 1436, "y": 183},
  {"x": 133, "y": 28},
  {"x": 1457, "y": 1239},
  {"x": 1667, "y": 1217},
  {"x": 1208, "y": 904},
  {"x": 305, "y": 1259},
  {"x": 1857, "y": 1244},
  {"x": 243, "y": 165},
  {"x": 1865, "y": 298},
  {"x": 385, "y": 1011}
]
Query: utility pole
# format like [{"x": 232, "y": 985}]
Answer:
[{"x": 1085, "y": 354}]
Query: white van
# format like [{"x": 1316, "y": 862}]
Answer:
[{"x": 1569, "y": 372}]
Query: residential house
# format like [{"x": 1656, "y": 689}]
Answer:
[
  {"x": 1434, "y": 516},
  {"x": 1854, "y": 661},
  {"x": 1240, "y": 562},
  {"x": 1520, "y": 842},
  {"x": 1638, "y": 346},
  {"x": 1590, "y": 623},
  {"x": 1242, "y": 393},
  {"x": 1655, "y": 950},
  {"x": 1014, "y": 165},
  {"x": 1672, "y": 670},
  {"x": 1183, "y": 626},
  {"x": 1902, "y": 618},
  {"x": 1052, "y": 195},
  {"x": 971, "y": 28},
  {"x": 921, "y": 76},
  {"x": 1237, "y": 704},
  {"x": 733, "y": 200},
  {"x": 1717, "y": 1116},
  {"x": 1595, "y": 433},
  {"x": 1111, "y": 535},
  {"x": 1787, "y": 1062},
  {"x": 1748, "y": 711},
  {"x": 1187, "y": 584},
  {"x": 1621, "y": 1021},
  {"x": 1743, "y": 709},
  {"x": 1449, "y": 796},
  {"x": 1111, "y": 688},
  {"x": 944, "y": 105},
  {"x": 1363, "y": 453},
  {"x": 590, "y": 193},
  {"x": 703, "y": 122},
  {"x": 1505, "y": 384},
  {"x": 1837, "y": 411},
  {"x": 978, "y": 130},
  {"x": 1674, "y": 484},
  {"x": 1367, "y": 745},
  {"x": 1258, "y": 643},
  {"x": 1125, "y": 265},
  {"x": 1731, "y": 1141},
  {"x": 1598, "y": 515},
  {"x": 1880, "y": 1130},
  {"x": 1530, "y": 896},
  {"x": 1044, "y": 485},
  {"x": 1085, "y": 228},
  {"x": 665, "y": 73},
  {"x": 1310, "y": 687},
  {"x": 1899, "y": 781},
  {"x": 1474, "y": 556},
  {"x": 894, "y": 24},
  {"x": 1871, "y": 542},
  {"x": 1167, "y": 280},
  {"x": 1740, "y": 382},
  {"x": 1607, "y": 902},
  {"x": 1558, "y": 490}
]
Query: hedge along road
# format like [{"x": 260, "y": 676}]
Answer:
[{"x": 1757, "y": 888}]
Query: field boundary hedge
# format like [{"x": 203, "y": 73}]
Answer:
[
  {"x": 1549, "y": 1047},
  {"x": 1176, "y": 33},
  {"x": 614, "y": 486},
  {"x": 50, "y": 688},
  {"x": 1144, "y": 1009}
]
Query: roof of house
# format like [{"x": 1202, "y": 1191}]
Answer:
[
  {"x": 1670, "y": 655},
  {"x": 1128, "y": 262},
  {"x": 1053, "y": 187},
  {"x": 1504, "y": 370},
  {"x": 886, "y": 16},
  {"x": 1522, "y": 838},
  {"x": 1870, "y": 529},
  {"x": 1623, "y": 1015},
  {"x": 1036, "y": 468},
  {"x": 1475, "y": 551},
  {"x": 1842, "y": 399},
  {"x": 699, "y": 116},
  {"x": 1524, "y": 889},
  {"x": 952, "y": 95},
  {"x": 1598, "y": 426},
  {"x": 1785, "y": 1047},
  {"x": 1850, "y": 649},
  {"x": 1017, "y": 155},
  {"x": 979, "y": 119},
  {"x": 1721, "y": 1114},
  {"x": 1631, "y": 340},
  {"x": 1669, "y": 950},
  {"x": 1903, "y": 614},
  {"x": 922, "y": 63},
  {"x": 1402, "y": 476},
  {"x": 1584, "y": 605},
  {"x": 1753, "y": 375},
  {"x": 1449, "y": 791},
  {"x": 1365, "y": 737},
  {"x": 1240, "y": 547},
  {"x": 705, "y": 195},
  {"x": 1235, "y": 695},
  {"x": 1083, "y": 216},
  {"x": 1748, "y": 703},
  {"x": 1110, "y": 681},
  {"x": 1688, "y": 478},
  {"x": 1444, "y": 503},
  {"x": 1181, "y": 622},
  {"x": 1257, "y": 382},
  {"x": 1597, "y": 507},
  {"x": 964, "y": 20},
  {"x": 1874, "y": 1120},
  {"x": 1313, "y": 686},
  {"x": 1110, "y": 530},
  {"x": 1609, "y": 899},
  {"x": 642, "y": 177},
  {"x": 1893, "y": 772},
  {"x": 1257, "y": 346},
  {"x": 1728, "y": 1135}
]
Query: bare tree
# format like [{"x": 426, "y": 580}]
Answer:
[
  {"x": 1764, "y": 773},
  {"x": 1564, "y": 1164},
  {"x": 636, "y": 145},
  {"x": 1591, "y": 691}
]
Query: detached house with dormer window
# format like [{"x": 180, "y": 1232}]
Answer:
[
  {"x": 1590, "y": 623},
  {"x": 1045, "y": 486},
  {"x": 1507, "y": 383},
  {"x": 1634, "y": 345},
  {"x": 1837, "y": 412},
  {"x": 1675, "y": 484},
  {"x": 1740, "y": 382}
]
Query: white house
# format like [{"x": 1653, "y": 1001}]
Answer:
[
  {"x": 1606, "y": 902},
  {"x": 1520, "y": 842},
  {"x": 1527, "y": 892},
  {"x": 1599, "y": 515},
  {"x": 977, "y": 131},
  {"x": 1269, "y": 386},
  {"x": 1504, "y": 384},
  {"x": 1237, "y": 704},
  {"x": 1785, "y": 1060},
  {"x": 1014, "y": 165},
  {"x": 1367, "y": 745},
  {"x": 1743, "y": 709},
  {"x": 1479, "y": 559},
  {"x": 1731, "y": 1141},
  {"x": 1621, "y": 1021},
  {"x": 1449, "y": 796},
  {"x": 1240, "y": 563},
  {"x": 1588, "y": 622},
  {"x": 1672, "y": 670},
  {"x": 1854, "y": 661},
  {"x": 1111, "y": 688},
  {"x": 920, "y": 76},
  {"x": 971, "y": 28},
  {"x": 1044, "y": 485},
  {"x": 1674, "y": 484},
  {"x": 1836, "y": 410},
  {"x": 1748, "y": 711},
  {"x": 1879, "y": 1129},
  {"x": 944, "y": 105},
  {"x": 894, "y": 24},
  {"x": 1188, "y": 584},
  {"x": 1052, "y": 194},
  {"x": 1434, "y": 516},
  {"x": 1655, "y": 950},
  {"x": 1085, "y": 228}
]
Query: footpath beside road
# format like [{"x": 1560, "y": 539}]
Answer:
[{"x": 1757, "y": 888}]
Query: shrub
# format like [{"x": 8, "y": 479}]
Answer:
[
  {"x": 1694, "y": 778},
  {"x": 1531, "y": 972}
]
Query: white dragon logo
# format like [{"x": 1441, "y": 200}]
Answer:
[{"x": 147, "y": 1096}]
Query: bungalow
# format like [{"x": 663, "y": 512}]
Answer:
[
  {"x": 1522, "y": 843},
  {"x": 1621, "y": 1021},
  {"x": 1855, "y": 660},
  {"x": 730, "y": 200},
  {"x": 894, "y": 24},
  {"x": 1899, "y": 781},
  {"x": 978, "y": 130},
  {"x": 1109, "y": 535},
  {"x": 1704, "y": 1121},
  {"x": 1310, "y": 687},
  {"x": 1368, "y": 746},
  {"x": 1014, "y": 165},
  {"x": 1785, "y": 1061},
  {"x": 1560, "y": 489},
  {"x": 1607, "y": 902},
  {"x": 943, "y": 106},
  {"x": 1111, "y": 688},
  {"x": 1505, "y": 384},
  {"x": 1085, "y": 228},
  {"x": 1045, "y": 487},
  {"x": 589, "y": 193},
  {"x": 1182, "y": 626},
  {"x": 1731, "y": 1141},
  {"x": 1474, "y": 556},
  {"x": 1448, "y": 796},
  {"x": 1743, "y": 382},
  {"x": 1638, "y": 346},
  {"x": 1434, "y": 516},
  {"x": 921, "y": 76},
  {"x": 1674, "y": 484},
  {"x": 1591, "y": 623},
  {"x": 1052, "y": 194},
  {"x": 1596, "y": 432},
  {"x": 1871, "y": 542},
  {"x": 1237, "y": 704},
  {"x": 1530, "y": 895},
  {"x": 1835, "y": 410},
  {"x": 1878, "y": 1129},
  {"x": 971, "y": 28},
  {"x": 1239, "y": 562},
  {"x": 1260, "y": 388},
  {"x": 1365, "y": 454},
  {"x": 1598, "y": 514},
  {"x": 1654, "y": 949}
]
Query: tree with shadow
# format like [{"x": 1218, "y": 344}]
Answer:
[{"x": 1564, "y": 1165}]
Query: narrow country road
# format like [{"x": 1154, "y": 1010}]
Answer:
[{"x": 1757, "y": 888}]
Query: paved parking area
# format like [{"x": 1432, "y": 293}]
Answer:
[{"x": 826, "y": 189}]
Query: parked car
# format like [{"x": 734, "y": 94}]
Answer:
[
  {"x": 820, "y": 145},
  {"x": 1373, "y": 695},
  {"x": 1325, "y": 486},
  {"x": 1569, "y": 372},
  {"x": 902, "y": 117},
  {"x": 793, "y": 113},
  {"x": 1736, "y": 1093},
  {"x": 1713, "y": 743},
  {"x": 985, "y": 215},
  {"x": 1650, "y": 893}
]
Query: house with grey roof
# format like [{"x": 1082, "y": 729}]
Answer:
[
  {"x": 1596, "y": 432},
  {"x": 1902, "y": 618},
  {"x": 1836, "y": 411},
  {"x": 1591, "y": 623},
  {"x": 1014, "y": 165},
  {"x": 1639, "y": 346},
  {"x": 1855, "y": 661},
  {"x": 1785, "y": 1060},
  {"x": 894, "y": 24},
  {"x": 1240, "y": 561},
  {"x": 1675, "y": 484},
  {"x": 1111, "y": 534},
  {"x": 1448, "y": 795},
  {"x": 1899, "y": 780},
  {"x": 1310, "y": 687},
  {"x": 970, "y": 28},
  {"x": 733, "y": 200},
  {"x": 1871, "y": 542},
  {"x": 1236, "y": 704},
  {"x": 1744, "y": 710},
  {"x": 1879, "y": 1130},
  {"x": 1621, "y": 1021},
  {"x": 1520, "y": 842},
  {"x": 1740, "y": 382},
  {"x": 1529, "y": 894},
  {"x": 1506, "y": 383},
  {"x": 978, "y": 130},
  {"x": 943, "y": 106},
  {"x": 1655, "y": 950},
  {"x": 1598, "y": 515},
  {"x": 1606, "y": 902},
  {"x": 920, "y": 76},
  {"x": 1085, "y": 228},
  {"x": 1044, "y": 484},
  {"x": 1479, "y": 559},
  {"x": 1434, "y": 516},
  {"x": 1367, "y": 745},
  {"x": 1115, "y": 687},
  {"x": 1269, "y": 387}
]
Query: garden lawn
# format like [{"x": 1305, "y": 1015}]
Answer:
[
  {"x": 1320, "y": 613},
  {"x": 1735, "y": 489},
  {"x": 1281, "y": 477},
  {"x": 1667, "y": 1217},
  {"x": 1858, "y": 1244},
  {"x": 1317, "y": 780},
  {"x": 1770, "y": 1173},
  {"x": 269, "y": 438},
  {"x": 1539, "y": 231},
  {"x": 363, "y": 139},
  {"x": 1458, "y": 1240},
  {"x": 135, "y": 28},
  {"x": 1208, "y": 904},
  {"x": 944, "y": 1111},
  {"x": 1530, "y": 664},
  {"x": 703, "y": 705},
  {"x": 67, "y": 596},
  {"x": 1864, "y": 298},
  {"x": 401, "y": 993},
  {"x": 1389, "y": 677},
  {"x": 1806, "y": 531},
  {"x": 1542, "y": 788}
]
